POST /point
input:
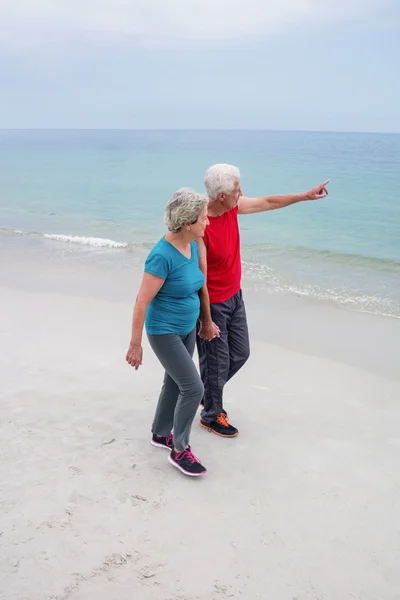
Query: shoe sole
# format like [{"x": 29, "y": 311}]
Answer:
[
  {"x": 183, "y": 470},
  {"x": 157, "y": 445},
  {"x": 211, "y": 430}
]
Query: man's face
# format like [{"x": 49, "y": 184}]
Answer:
[{"x": 231, "y": 200}]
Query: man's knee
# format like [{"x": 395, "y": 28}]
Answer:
[{"x": 240, "y": 359}]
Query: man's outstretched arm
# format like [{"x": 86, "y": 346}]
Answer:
[{"x": 248, "y": 206}]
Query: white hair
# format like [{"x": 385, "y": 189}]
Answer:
[
  {"x": 220, "y": 179},
  {"x": 184, "y": 207}
]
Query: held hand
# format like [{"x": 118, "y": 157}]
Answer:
[
  {"x": 134, "y": 355},
  {"x": 208, "y": 331},
  {"x": 318, "y": 192}
]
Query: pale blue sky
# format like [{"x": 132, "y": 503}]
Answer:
[{"x": 200, "y": 64}]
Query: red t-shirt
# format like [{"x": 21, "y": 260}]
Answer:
[{"x": 224, "y": 267}]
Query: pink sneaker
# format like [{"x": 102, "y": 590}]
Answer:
[
  {"x": 187, "y": 462},
  {"x": 163, "y": 442}
]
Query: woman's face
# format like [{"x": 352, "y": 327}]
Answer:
[{"x": 199, "y": 227}]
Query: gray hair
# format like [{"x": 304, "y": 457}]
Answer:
[
  {"x": 184, "y": 207},
  {"x": 220, "y": 179}
]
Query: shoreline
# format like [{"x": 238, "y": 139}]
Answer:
[
  {"x": 293, "y": 321},
  {"x": 373, "y": 293}
]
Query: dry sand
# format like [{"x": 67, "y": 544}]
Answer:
[{"x": 303, "y": 505}]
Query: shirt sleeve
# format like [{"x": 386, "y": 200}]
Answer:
[{"x": 157, "y": 265}]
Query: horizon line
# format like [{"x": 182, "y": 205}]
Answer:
[{"x": 197, "y": 129}]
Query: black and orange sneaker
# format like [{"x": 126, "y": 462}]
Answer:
[
  {"x": 187, "y": 462},
  {"x": 220, "y": 426},
  {"x": 223, "y": 411},
  {"x": 163, "y": 442}
]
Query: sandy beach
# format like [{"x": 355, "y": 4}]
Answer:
[{"x": 303, "y": 505}]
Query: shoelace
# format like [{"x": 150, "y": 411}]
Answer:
[
  {"x": 170, "y": 440},
  {"x": 187, "y": 454},
  {"x": 222, "y": 420}
]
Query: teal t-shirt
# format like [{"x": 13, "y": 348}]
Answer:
[{"x": 176, "y": 307}]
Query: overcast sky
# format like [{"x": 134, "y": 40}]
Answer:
[{"x": 257, "y": 64}]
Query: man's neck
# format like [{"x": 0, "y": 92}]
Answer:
[{"x": 216, "y": 208}]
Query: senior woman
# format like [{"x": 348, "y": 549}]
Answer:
[{"x": 168, "y": 304}]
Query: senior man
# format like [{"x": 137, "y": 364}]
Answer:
[{"x": 223, "y": 340}]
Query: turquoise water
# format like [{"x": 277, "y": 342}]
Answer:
[{"x": 105, "y": 192}]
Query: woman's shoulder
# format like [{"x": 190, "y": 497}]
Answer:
[{"x": 159, "y": 247}]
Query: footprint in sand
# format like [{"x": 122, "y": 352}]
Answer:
[
  {"x": 263, "y": 388},
  {"x": 75, "y": 471}
]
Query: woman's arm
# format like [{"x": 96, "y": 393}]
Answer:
[
  {"x": 208, "y": 329},
  {"x": 150, "y": 286}
]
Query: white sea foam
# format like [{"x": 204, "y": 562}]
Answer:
[
  {"x": 267, "y": 280},
  {"x": 86, "y": 241}
]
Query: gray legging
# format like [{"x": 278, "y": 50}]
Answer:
[{"x": 182, "y": 389}]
